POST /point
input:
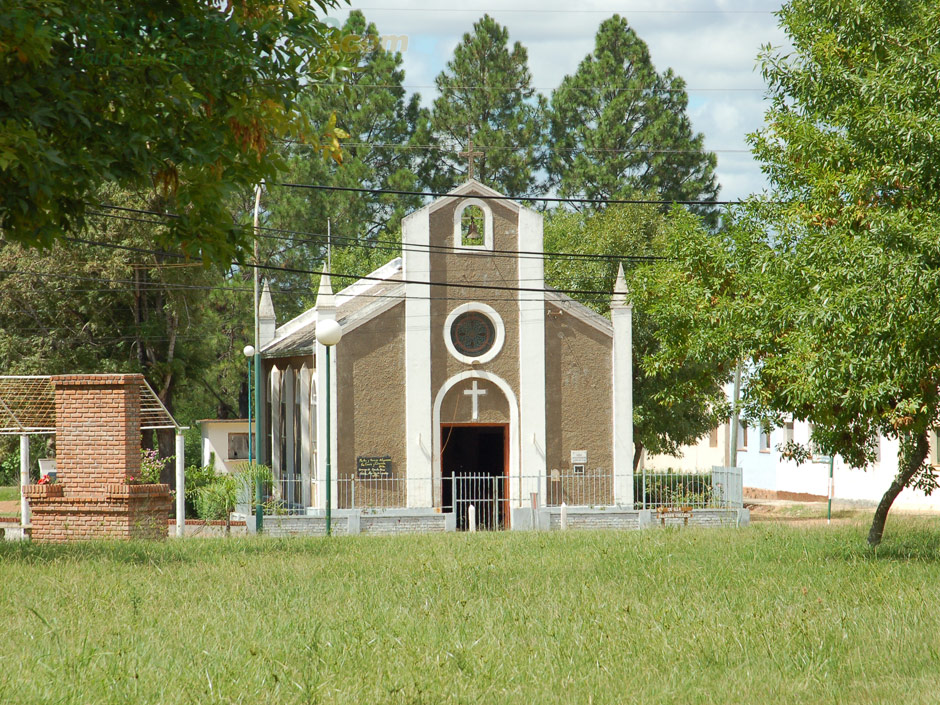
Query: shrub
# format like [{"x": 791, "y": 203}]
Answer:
[
  {"x": 673, "y": 489},
  {"x": 197, "y": 477},
  {"x": 10, "y": 468},
  {"x": 151, "y": 465},
  {"x": 217, "y": 497}
]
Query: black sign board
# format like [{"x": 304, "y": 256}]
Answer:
[{"x": 374, "y": 468}]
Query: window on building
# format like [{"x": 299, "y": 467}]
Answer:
[
  {"x": 788, "y": 432},
  {"x": 297, "y": 428},
  {"x": 764, "y": 440},
  {"x": 713, "y": 437},
  {"x": 281, "y": 465},
  {"x": 237, "y": 446},
  {"x": 742, "y": 435}
]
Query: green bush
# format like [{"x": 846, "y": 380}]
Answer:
[
  {"x": 216, "y": 496},
  {"x": 673, "y": 490},
  {"x": 10, "y": 468},
  {"x": 197, "y": 477},
  {"x": 217, "y": 499}
]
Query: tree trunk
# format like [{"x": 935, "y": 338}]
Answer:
[
  {"x": 909, "y": 466},
  {"x": 637, "y": 454}
]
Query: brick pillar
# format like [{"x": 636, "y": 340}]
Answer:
[
  {"x": 97, "y": 431},
  {"x": 97, "y": 450}
]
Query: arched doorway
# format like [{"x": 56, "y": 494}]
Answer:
[
  {"x": 476, "y": 424},
  {"x": 474, "y": 465}
]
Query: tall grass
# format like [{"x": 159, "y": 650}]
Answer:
[
  {"x": 9, "y": 493},
  {"x": 766, "y": 614}
]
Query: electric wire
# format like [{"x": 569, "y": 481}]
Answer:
[
  {"x": 397, "y": 246},
  {"x": 489, "y": 197}
]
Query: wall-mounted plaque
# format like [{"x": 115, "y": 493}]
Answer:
[
  {"x": 374, "y": 468},
  {"x": 578, "y": 456}
]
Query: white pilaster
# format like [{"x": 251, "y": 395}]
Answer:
[
  {"x": 419, "y": 433},
  {"x": 531, "y": 362},
  {"x": 277, "y": 462},
  {"x": 326, "y": 309},
  {"x": 621, "y": 314},
  {"x": 320, "y": 473}
]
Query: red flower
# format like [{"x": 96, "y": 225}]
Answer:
[{"x": 45, "y": 480}]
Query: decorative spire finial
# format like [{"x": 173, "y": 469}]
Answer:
[
  {"x": 621, "y": 292},
  {"x": 325, "y": 298}
]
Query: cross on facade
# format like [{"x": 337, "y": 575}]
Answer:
[
  {"x": 470, "y": 154},
  {"x": 476, "y": 393}
]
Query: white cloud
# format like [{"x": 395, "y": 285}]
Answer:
[{"x": 712, "y": 44}]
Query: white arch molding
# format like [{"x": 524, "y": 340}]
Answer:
[
  {"x": 514, "y": 470},
  {"x": 487, "y": 225},
  {"x": 498, "y": 326}
]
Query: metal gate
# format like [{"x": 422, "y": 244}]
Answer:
[{"x": 485, "y": 493}]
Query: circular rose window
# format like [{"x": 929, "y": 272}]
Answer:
[{"x": 472, "y": 334}]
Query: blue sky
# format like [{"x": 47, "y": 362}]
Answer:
[{"x": 712, "y": 44}]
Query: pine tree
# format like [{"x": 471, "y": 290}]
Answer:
[
  {"x": 371, "y": 106},
  {"x": 619, "y": 129},
  {"x": 486, "y": 90}
]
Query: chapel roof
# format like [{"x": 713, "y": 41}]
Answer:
[{"x": 359, "y": 302}]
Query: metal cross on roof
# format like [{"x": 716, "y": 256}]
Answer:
[{"x": 469, "y": 153}]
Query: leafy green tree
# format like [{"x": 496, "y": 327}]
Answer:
[
  {"x": 112, "y": 303},
  {"x": 619, "y": 129},
  {"x": 837, "y": 308},
  {"x": 677, "y": 399},
  {"x": 486, "y": 90},
  {"x": 181, "y": 99},
  {"x": 381, "y": 122}
]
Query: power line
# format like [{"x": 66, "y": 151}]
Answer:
[
  {"x": 546, "y": 199},
  {"x": 394, "y": 245},
  {"x": 585, "y": 89},
  {"x": 545, "y": 11},
  {"x": 485, "y": 148},
  {"x": 298, "y": 270}
]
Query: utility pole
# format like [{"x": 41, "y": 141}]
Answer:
[
  {"x": 733, "y": 450},
  {"x": 259, "y": 513}
]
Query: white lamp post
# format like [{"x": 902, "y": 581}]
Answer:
[
  {"x": 328, "y": 334},
  {"x": 249, "y": 352}
]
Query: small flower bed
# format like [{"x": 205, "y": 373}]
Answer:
[{"x": 151, "y": 465}]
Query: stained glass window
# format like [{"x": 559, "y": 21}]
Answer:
[{"x": 472, "y": 334}]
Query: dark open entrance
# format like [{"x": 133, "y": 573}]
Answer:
[{"x": 473, "y": 472}]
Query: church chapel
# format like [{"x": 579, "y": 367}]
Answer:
[{"x": 460, "y": 379}]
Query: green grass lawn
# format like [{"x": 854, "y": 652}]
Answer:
[
  {"x": 9, "y": 494},
  {"x": 766, "y": 614}
]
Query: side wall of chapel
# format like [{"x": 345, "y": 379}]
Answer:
[
  {"x": 371, "y": 387},
  {"x": 578, "y": 393}
]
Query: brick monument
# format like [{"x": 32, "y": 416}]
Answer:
[{"x": 97, "y": 455}]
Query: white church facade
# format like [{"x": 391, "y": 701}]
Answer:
[{"x": 460, "y": 378}]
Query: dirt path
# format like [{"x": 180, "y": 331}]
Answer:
[{"x": 11, "y": 507}]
